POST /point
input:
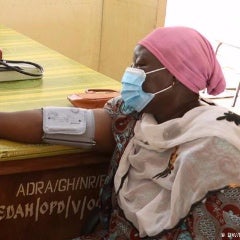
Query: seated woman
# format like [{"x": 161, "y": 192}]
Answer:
[{"x": 174, "y": 172}]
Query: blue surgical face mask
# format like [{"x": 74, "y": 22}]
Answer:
[{"x": 134, "y": 98}]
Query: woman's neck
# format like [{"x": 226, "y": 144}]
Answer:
[{"x": 178, "y": 113}]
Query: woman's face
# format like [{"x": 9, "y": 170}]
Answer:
[
  {"x": 155, "y": 81},
  {"x": 173, "y": 102}
]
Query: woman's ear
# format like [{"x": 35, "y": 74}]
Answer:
[{"x": 183, "y": 91}]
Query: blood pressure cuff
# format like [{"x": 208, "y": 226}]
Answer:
[{"x": 69, "y": 126}]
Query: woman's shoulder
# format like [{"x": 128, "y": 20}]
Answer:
[
  {"x": 122, "y": 123},
  {"x": 114, "y": 107}
]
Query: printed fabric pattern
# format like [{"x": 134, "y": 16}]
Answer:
[{"x": 217, "y": 216}]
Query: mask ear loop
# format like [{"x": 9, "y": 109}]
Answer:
[
  {"x": 167, "y": 88},
  {"x": 156, "y": 70}
]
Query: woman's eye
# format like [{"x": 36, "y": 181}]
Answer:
[{"x": 139, "y": 65}]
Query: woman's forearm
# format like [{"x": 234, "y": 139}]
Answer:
[
  {"x": 27, "y": 127},
  {"x": 23, "y": 126}
]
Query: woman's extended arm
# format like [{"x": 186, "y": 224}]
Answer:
[
  {"x": 22, "y": 126},
  {"x": 103, "y": 131},
  {"x": 26, "y": 126}
]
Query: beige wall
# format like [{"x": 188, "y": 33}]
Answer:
[
  {"x": 98, "y": 33},
  {"x": 72, "y": 27},
  {"x": 124, "y": 23}
]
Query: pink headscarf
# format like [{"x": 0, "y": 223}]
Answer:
[{"x": 188, "y": 56}]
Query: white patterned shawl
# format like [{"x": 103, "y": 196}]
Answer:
[{"x": 208, "y": 158}]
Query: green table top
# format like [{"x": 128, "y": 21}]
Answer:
[{"x": 62, "y": 76}]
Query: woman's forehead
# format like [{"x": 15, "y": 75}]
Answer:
[
  {"x": 139, "y": 50},
  {"x": 142, "y": 53}
]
